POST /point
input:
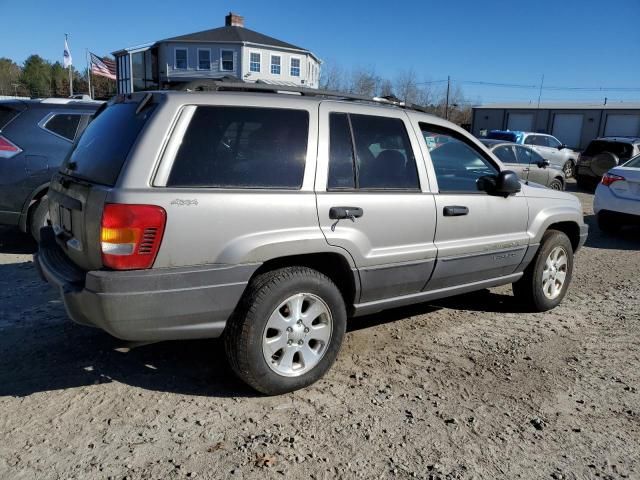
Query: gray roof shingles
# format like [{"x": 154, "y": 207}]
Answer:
[{"x": 232, "y": 34}]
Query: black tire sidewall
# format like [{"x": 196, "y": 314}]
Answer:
[
  {"x": 271, "y": 294},
  {"x": 555, "y": 181},
  {"x": 550, "y": 240}
]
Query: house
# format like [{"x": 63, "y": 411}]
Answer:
[
  {"x": 229, "y": 51},
  {"x": 575, "y": 124}
]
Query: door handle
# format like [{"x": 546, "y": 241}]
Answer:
[
  {"x": 526, "y": 169},
  {"x": 455, "y": 211},
  {"x": 339, "y": 213}
]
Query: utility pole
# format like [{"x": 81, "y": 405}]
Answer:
[
  {"x": 535, "y": 127},
  {"x": 446, "y": 112}
]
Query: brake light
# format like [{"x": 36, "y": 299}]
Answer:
[
  {"x": 130, "y": 235},
  {"x": 610, "y": 178},
  {"x": 7, "y": 148}
]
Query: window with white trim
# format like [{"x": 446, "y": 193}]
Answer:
[
  {"x": 204, "y": 59},
  {"x": 226, "y": 61},
  {"x": 180, "y": 59},
  {"x": 295, "y": 67},
  {"x": 275, "y": 64},
  {"x": 254, "y": 62}
]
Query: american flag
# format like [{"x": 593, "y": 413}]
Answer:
[{"x": 105, "y": 68}]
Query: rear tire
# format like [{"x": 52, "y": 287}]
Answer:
[
  {"x": 556, "y": 184},
  {"x": 269, "y": 340},
  {"x": 608, "y": 223},
  {"x": 39, "y": 217},
  {"x": 547, "y": 278}
]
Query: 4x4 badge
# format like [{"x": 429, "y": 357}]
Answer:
[{"x": 184, "y": 203}]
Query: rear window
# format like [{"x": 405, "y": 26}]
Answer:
[
  {"x": 6, "y": 115},
  {"x": 622, "y": 150},
  {"x": 238, "y": 147},
  {"x": 100, "y": 153}
]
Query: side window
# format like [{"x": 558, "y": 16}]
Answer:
[
  {"x": 505, "y": 154},
  {"x": 295, "y": 67},
  {"x": 237, "y": 147},
  {"x": 527, "y": 156},
  {"x": 531, "y": 140},
  {"x": 552, "y": 142},
  {"x": 226, "y": 60},
  {"x": 383, "y": 157},
  {"x": 341, "y": 163},
  {"x": 204, "y": 59},
  {"x": 275, "y": 64},
  {"x": 64, "y": 125},
  {"x": 457, "y": 163}
]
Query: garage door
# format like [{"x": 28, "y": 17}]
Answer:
[
  {"x": 567, "y": 127},
  {"x": 621, "y": 125},
  {"x": 520, "y": 121}
]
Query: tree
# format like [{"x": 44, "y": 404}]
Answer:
[
  {"x": 59, "y": 80},
  {"x": 331, "y": 77},
  {"x": 9, "y": 76},
  {"x": 36, "y": 76},
  {"x": 364, "y": 81}
]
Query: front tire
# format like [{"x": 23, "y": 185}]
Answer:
[
  {"x": 546, "y": 280},
  {"x": 287, "y": 330},
  {"x": 568, "y": 169}
]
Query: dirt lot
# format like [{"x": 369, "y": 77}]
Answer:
[{"x": 459, "y": 389}]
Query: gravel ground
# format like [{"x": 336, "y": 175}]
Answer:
[{"x": 462, "y": 388}]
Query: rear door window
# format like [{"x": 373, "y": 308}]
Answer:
[
  {"x": 505, "y": 154},
  {"x": 238, "y": 147},
  {"x": 101, "y": 151},
  {"x": 64, "y": 125},
  {"x": 7, "y": 114}
]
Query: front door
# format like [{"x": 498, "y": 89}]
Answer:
[
  {"x": 373, "y": 199},
  {"x": 530, "y": 159},
  {"x": 479, "y": 236}
]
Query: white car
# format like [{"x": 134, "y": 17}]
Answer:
[{"x": 617, "y": 200}]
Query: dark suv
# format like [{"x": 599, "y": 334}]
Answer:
[
  {"x": 601, "y": 155},
  {"x": 35, "y": 137}
]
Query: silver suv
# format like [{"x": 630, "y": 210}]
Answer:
[{"x": 270, "y": 218}]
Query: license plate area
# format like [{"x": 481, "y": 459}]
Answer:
[{"x": 65, "y": 220}]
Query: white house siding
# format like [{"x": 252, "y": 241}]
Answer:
[
  {"x": 285, "y": 76},
  {"x": 166, "y": 61}
]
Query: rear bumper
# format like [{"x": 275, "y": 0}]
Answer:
[{"x": 147, "y": 305}]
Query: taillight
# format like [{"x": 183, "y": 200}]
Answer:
[
  {"x": 610, "y": 178},
  {"x": 130, "y": 235},
  {"x": 7, "y": 148}
]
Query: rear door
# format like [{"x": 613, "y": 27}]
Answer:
[
  {"x": 369, "y": 164},
  {"x": 479, "y": 236}
]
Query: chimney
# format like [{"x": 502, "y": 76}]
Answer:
[{"x": 233, "y": 20}]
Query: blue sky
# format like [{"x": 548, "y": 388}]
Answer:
[{"x": 587, "y": 43}]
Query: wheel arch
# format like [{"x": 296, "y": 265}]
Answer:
[
  {"x": 332, "y": 264},
  {"x": 570, "y": 229},
  {"x": 27, "y": 208}
]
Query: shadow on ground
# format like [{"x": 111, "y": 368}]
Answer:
[{"x": 13, "y": 240}]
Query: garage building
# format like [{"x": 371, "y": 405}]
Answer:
[{"x": 573, "y": 124}]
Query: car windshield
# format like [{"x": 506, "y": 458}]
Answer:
[
  {"x": 622, "y": 149},
  {"x": 633, "y": 163}
]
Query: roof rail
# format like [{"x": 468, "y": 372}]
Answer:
[{"x": 235, "y": 85}]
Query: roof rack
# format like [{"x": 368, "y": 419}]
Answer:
[{"x": 232, "y": 84}]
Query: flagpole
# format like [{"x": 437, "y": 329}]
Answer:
[
  {"x": 89, "y": 73},
  {"x": 70, "y": 74}
]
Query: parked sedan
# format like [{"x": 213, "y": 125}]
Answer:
[
  {"x": 549, "y": 147},
  {"x": 617, "y": 199},
  {"x": 526, "y": 163}
]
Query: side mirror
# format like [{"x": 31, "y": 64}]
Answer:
[
  {"x": 505, "y": 183},
  {"x": 562, "y": 146},
  {"x": 543, "y": 163}
]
